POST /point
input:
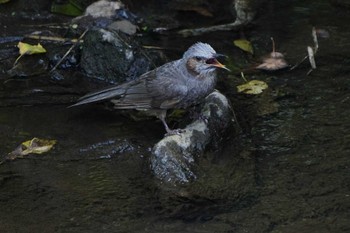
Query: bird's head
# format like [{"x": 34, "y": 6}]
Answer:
[{"x": 201, "y": 58}]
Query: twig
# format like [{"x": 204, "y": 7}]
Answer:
[
  {"x": 298, "y": 64},
  {"x": 224, "y": 27},
  {"x": 152, "y": 47},
  {"x": 69, "y": 50},
  {"x": 242, "y": 75},
  {"x": 52, "y": 38},
  {"x": 311, "y": 53}
]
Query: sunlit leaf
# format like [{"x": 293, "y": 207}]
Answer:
[
  {"x": 34, "y": 146},
  {"x": 27, "y": 49},
  {"x": 37, "y": 146},
  {"x": 253, "y": 87},
  {"x": 244, "y": 45}
]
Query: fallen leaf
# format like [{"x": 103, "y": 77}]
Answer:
[
  {"x": 245, "y": 45},
  {"x": 253, "y": 87},
  {"x": 273, "y": 61},
  {"x": 34, "y": 146},
  {"x": 37, "y": 146},
  {"x": 311, "y": 54},
  {"x": 27, "y": 49}
]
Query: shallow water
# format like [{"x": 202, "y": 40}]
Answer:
[{"x": 287, "y": 171}]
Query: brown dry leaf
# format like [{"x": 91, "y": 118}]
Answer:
[{"x": 273, "y": 61}]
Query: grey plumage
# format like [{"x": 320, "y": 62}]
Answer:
[{"x": 177, "y": 84}]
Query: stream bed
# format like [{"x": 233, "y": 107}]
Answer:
[{"x": 286, "y": 170}]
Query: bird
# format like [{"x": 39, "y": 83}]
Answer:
[{"x": 178, "y": 84}]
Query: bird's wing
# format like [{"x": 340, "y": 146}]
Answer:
[
  {"x": 169, "y": 88},
  {"x": 160, "y": 88},
  {"x": 97, "y": 96}
]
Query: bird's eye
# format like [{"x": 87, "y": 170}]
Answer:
[
  {"x": 210, "y": 61},
  {"x": 198, "y": 58}
]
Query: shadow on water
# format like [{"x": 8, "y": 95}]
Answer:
[{"x": 288, "y": 171}]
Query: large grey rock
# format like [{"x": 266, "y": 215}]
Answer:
[
  {"x": 173, "y": 159},
  {"x": 112, "y": 56}
]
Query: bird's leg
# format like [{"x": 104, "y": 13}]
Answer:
[
  {"x": 195, "y": 115},
  {"x": 169, "y": 131}
]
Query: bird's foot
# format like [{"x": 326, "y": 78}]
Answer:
[
  {"x": 174, "y": 132},
  {"x": 204, "y": 118},
  {"x": 195, "y": 115}
]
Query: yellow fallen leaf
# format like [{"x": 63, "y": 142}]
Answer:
[
  {"x": 37, "y": 146},
  {"x": 244, "y": 45},
  {"x": 27, "y": 49},
  {"x": 253, "y": 87},
  {"x": 34, "y": 146}
]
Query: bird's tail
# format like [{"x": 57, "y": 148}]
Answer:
[{"x": 105, "y": 94}]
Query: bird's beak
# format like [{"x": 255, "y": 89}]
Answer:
[{"x": 216, "y": 63}]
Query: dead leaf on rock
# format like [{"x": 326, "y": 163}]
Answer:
[
  {"x": 34, "y": 146},
  {"x": 253, "y": 87}
]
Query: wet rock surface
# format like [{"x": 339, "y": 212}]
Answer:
[
  {"x": 174, "y": 158},
  {"x": 110, "y": 56}
]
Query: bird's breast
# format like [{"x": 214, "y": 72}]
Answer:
[{"x": 198, "y": 89}]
